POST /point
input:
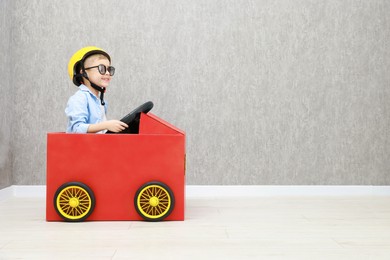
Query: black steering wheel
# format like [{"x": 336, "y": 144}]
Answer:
[{"x": 132, "y": 119}]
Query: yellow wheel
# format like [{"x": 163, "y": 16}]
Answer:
[
  {"x": 74, "y": 201},
  {"x": 154, "y": 201}
]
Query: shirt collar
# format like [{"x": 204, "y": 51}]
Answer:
[{"x": 82, "y": 87}]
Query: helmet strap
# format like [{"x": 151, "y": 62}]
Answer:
[{"x": 102, "y": 90}]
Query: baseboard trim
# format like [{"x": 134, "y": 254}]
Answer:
[
  {"x": 6, "y": 193},
  {"x": 286, "y": 190},
  {"x": 23, "y": 191},
  {"x": 199, "y": 191}
]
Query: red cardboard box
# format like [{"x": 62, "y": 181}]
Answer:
[{"x": 117, "y": 176}]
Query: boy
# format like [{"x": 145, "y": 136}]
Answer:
[{"x": 90, "y": 69}]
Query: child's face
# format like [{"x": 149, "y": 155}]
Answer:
[{"x": 94, "y": 74}]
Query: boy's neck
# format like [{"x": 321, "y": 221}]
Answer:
[{"x": 94, "y": 91}]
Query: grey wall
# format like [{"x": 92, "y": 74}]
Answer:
[
  {"x": 6, "y": 94},
  {"x": 268, "y": 92}
]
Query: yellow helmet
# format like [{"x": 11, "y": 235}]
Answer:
[{"x": 77, "y": 62}]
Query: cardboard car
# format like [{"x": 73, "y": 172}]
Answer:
[{"x": 125, "y": 176}]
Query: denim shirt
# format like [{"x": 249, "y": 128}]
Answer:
[{"x": 83, "y": 109}]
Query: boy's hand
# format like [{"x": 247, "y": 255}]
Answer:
[{"x": 115, "y": 126}]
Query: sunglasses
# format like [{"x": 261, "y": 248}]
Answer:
[{"x": 103, "y": 69}]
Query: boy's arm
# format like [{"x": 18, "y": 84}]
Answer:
[
  {"x": 111, "y": 125},
  {"x": 77, "y": 113}
]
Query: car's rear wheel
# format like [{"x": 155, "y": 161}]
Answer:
[{"x": 154, "y": 201}]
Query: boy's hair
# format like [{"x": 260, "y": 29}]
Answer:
[{"x": 94, "y": 57}]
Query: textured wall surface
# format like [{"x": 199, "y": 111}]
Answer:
[
  {"x": 6, "y": 95},
  {"x": 268, "y": 92}
]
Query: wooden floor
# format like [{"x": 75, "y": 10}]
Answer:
[{"x": 215, "y": 228}]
